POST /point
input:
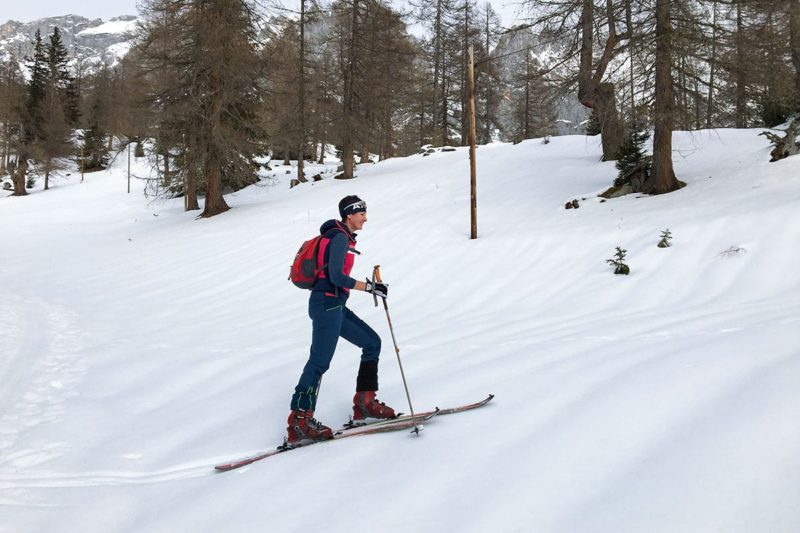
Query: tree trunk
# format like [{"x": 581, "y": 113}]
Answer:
[
  {"x": 662, "y": 178},
  {"x": 487, "y": 128},
  {"x": 191, "y": 203},
  {"x": 464, "y": 102},
  {"x": 315, "y": 135},
  {"x": 611, "y": 131},
  {"x": 585, "y": 84},
  {"x": 349, "y": 79},
  {"x": 683, "y": 121},
  {"x": 215, "y": 201},
  {"x": 527, "y": 128},
  {"x": 387, "y": 150},
  {"x": 322, "y": 142},
  {"x": 437, "y": 67},
  {"x": 4, "y": 153},
  {"x": 740, "y": 68},
  {"x": 712, "y": 67},
  {"x": 445, "y": 133},
  {"x": 794, "y": 35},
  {"x": 421, "y": 121},
  {"x": 19, "y": 177},
  {"x": 167, "y": 177},
  {"x": 592, "y": 92},
  {"x": 698, "y": 112}
]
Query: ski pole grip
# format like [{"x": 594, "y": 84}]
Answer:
[{"x": 376, "y": 276}]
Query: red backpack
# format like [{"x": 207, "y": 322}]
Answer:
[{"x": 304, "y": 272}]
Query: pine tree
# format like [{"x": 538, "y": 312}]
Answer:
[
  {"x": 632, "y": 157},
  {"x": 593, "y": 124},
  {"x": 95, "y": 156},
  {"x": 95, "y": 146},
  {"x": 31, "y": 114},
  {"x": 57, "y": 62},
  {"x": 40, "y": 74},
  {"x": 57, "y": 57}
]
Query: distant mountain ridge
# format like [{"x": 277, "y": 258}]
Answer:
[{"x": 90, "y": 42}]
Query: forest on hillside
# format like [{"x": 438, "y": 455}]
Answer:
[{"x": 211, "y": 89}]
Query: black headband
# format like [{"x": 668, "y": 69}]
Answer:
[{"x": 355, "y": 207}]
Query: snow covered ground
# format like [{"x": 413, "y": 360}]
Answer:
[{"x": 140, "y": 346}]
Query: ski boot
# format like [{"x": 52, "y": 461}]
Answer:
[
  {"x": 303, "y": 428},
  {"x": 366, "y": 405}
]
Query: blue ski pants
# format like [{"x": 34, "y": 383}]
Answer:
[{"x": 331, "y": 319}]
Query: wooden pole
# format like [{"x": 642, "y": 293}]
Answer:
[
  {"x": 82, "y": 163},
  {"x": 473, "y": 180},
  {"x": 301, "y": 175},
  {"x": 129, "y": 167}
]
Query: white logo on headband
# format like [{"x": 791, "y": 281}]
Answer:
[{"x": 361, "y": 204}]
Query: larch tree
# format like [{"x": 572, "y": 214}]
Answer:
[
  {"x": 487, "y": 79},
  {"x": 662, "y": 176},
  {"x": 12, "y": 97},
  {"x": 211, "y": 101}
]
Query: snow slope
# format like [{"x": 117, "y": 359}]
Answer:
[{"x": 140, "y": 346}]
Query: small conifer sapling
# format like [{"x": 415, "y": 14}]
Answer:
[
  {"x": 619, "y": 262},
  {"x": 666, "y": 237}
]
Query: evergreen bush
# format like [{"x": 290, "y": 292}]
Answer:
[
  {"x": 632, "y": 157},
  {"x": 618, "y": 262},
  {"x": 666, "y": 236}
]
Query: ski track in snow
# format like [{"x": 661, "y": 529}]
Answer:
[
  {"x": 37, "y": 384},
  {"x": 41, "y": 407},
  {"x": 105, "y": 479}
]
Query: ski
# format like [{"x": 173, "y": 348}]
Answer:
[
  {"x": 352, "y": 429},
  {"x": 387, "y": 425},
  {"x": 439, "y": 412}
]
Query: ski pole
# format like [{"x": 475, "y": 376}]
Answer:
[{"x": 376, "y": 276}]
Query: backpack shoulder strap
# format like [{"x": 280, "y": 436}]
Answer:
[{"x": 341, "y": 228}]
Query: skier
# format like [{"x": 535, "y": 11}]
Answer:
[{"x": 332, "y": 319}]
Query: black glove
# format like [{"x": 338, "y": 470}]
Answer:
[{"x": 377, "y": 288}]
